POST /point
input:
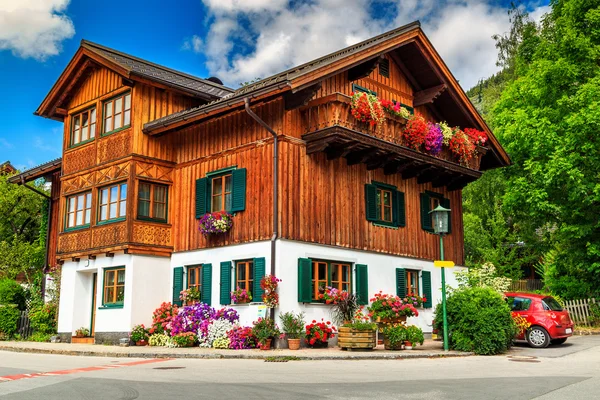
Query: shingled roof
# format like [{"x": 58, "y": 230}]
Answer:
[
  {"x": 281, "y": 79},
  {"x": 155, "y": 72},
  {"x": 37, "y": 172}
]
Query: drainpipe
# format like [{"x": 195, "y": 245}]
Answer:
[{"x": 275, "y": 184}]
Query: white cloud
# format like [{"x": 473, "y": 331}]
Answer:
[
  {"x": 257, "y": 38},
  {"x": 194, "y": 44},
  {"x": 34, "y": 28}
]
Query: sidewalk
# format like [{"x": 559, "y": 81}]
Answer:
[{"x": 429, "y": 349}]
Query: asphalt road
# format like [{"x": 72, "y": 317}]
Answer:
[{"x": 563, "y": 372}]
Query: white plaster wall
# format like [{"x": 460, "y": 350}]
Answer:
[
  {"x": 75, "y": 304},
  {"x": 114, "y": 319},
  {"x": 150, "y": 287}
]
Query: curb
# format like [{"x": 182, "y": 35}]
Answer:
[{"x": 233, "y": 355}]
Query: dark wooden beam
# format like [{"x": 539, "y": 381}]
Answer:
[
  {"x": 364, "y": 69},
  {"x": 380, "y": 161},
  {"x": 127, "y": 82},
  {"x": 460, "y": 183},
  {"x": 301, "y": 97},
  {"x": 91, "y": 257},
  {"x": 414, "y": 171},
  {"x": 443, "y": 179},
  {"x": 109, "y": 254},
  {"x": 61, "y": 111},
  {"x": 391, "y": 168},
  {"x": 357, "y": 157},
  {"x": 428, "y": 175},
  {"x": 427, "y": 96},
  {"x": 337, "y": 150},
  {"x": 75, "y": 259}
]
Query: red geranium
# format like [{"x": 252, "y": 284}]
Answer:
[
  {"x": 415, "y": 133},
  {"x": 319, "y": 332}
]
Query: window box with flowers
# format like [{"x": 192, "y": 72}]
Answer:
[{"x": 359, "y": 333}]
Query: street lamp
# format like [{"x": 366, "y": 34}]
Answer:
[{"x": 439, "y": 216}]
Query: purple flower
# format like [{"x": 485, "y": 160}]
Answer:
[
  {"x": 190, "y": 318},
  {"x": 434, "y": 139},
  {"x": 217, "y": 222}
]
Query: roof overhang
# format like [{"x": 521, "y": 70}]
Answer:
[{"x": 41, "y": 171}]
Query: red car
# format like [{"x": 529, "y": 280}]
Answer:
[{"x": 550, "y": 322}]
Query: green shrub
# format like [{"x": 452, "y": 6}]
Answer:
[
  {"x": 12, "y": 293},
  {"x": 39, "y": 337},
  {"x": 43, "y": 319},
  {"x": 479, "y": 320},
  {"x": 595, "y": 314},
  {"x": 9, "y": 316}
]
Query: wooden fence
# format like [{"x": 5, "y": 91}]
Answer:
[
  {"x": 579, "y": 310},
  {"x": 24, "y": 325},
  {"x": 526, "y": 285}
]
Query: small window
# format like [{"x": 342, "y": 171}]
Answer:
[
  {"x": 518, "y": 303},
  {"x": 194, "y": 277},
  {"x": 336, "y": 275},
  {"x": 358, "y": 88},
  {"x": 221, "y": 193},
  {"x": 412, "y": 282},
  {"x": 384, "y": 68},
  {"x": 429, "y": 201},
  {"x": 384, "y": 205},
  {"x": 79, "y": 210},
  {"x": 550, "y": 304},
  {"x": 83, "y": 126},
  {"x": 152, "y": 202},
  {"x": 244, "y": 276},
  {"x": 113, "y": 202},
  {"x": 114, "y": 286},
  {"x": 117, "y": 113}
]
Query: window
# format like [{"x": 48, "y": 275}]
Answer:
[
  {"x": 357, "y": 88},
  {"x": 336, "y": 275},
  {"x": 114, "y": 287},
  {"x": 194, "y": 277},
  {"x": 244, "y": 276},
  {"x": 429, "y": 201},
  {"x": 117, "y": 113},
  {"x": 518, "y": 303},
  {"x": 79, "y": 210},
  {"x": 384, "y": 68},
  {"x": 384, "y": 205},
  {"x": 83, "y": 126},
  {"x": 221, "y": 193},
  {"x": 412, "y": 282},
  {"x": 113, "y": 202},
  {"x": 550, "y": 304},
  {"x": 152, "y": 201}
]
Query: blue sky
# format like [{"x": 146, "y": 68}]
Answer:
[{"x": 236, "y": 40}]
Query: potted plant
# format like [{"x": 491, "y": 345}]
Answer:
[
  {"x": 395, "y": 335},
  {"x": 241, "y": 296},
  {"x": 265, "y": 330},
  {"x": 390, "y": 309},
  {"x": 366, "y": 107},
  {"x": 344, "y": 304},
  {"x": 318, "y": 333},
  {"x": 82, "y": 332},
  {"x": 394, "y": 108},
  {"x": 269, "y": 285},
  {"x": 414, "y": 336},
  {"x": 215, "y": 223},
  {"x": 190, "y": 296},
  {"x": 358, "y": 334},
  {"x": 185, "y": 339},
  {"x": 293, "y": 327},
  {"x": 415, "y": 132},
  {"x": 139, "y": 335}
]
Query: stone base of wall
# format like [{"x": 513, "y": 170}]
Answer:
[
  {"x": 65, "y": 337},
  {"x": 110, "y": 337}
]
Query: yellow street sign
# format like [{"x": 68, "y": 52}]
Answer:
[{"x": 443, "y": 264}]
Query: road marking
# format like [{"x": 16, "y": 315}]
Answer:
[{"x": 9, "y": 378}]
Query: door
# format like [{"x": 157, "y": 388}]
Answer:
[
  {"x": 521, "y": 306},
  {"x": 93, "y": 324}
]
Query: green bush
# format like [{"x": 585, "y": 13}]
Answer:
[
  {"x": 9, "y": 316},
  {"x": 12, "y": 293},
  {"x": 479, "y": 320},
  {"x": 40, "y": 337},
  {"x": 43, "y": 319}
]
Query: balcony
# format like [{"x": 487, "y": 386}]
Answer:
[{"x": 330, "y": 127}]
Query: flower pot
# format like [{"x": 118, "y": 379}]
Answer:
[
  {"x": 266, "y": 345},
  {"x": 408, "y": 345},
  {"x": 349, "y": 338},
  {"x": 141, "y": 343},
  {"x": 396, "y": 320},
  {"x": 319, "y": 344},
  {"x": 388, "y": 346},
  {"x": 293, "y": 344}
]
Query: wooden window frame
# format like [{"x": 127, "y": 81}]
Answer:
[
  {"x": 119, "y": 217},
  {"x": 380, "y": 204},
  {"x": 409, "y": 286},
  {"x": 91, "y": 122},
  {"x": 223, "y": 178},
  {"x": 249, "y": 283},
  {"x": 196, "y": 270},
  {"x": 86, "y": 207},
  {"x": 329, "y": 266},
  {"x": 152, "y": 201},
  {"x": 123, "y": 110},
  {"x": 115, "y": 303}
]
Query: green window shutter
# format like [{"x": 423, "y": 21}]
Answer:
[
  {"x": 206, "y": 283},
  {"x": 201, "y": 197},
  {"x": 177, "y": 285},
  {"x": 401, "y": 282},
  {"x": 304, "y": 280},
  {"x": 446, "y": 204},
  {"x": 425, "y": 216},
  {"x": 362, "y": 284},
  {"x": 427, "y": 289},
  {"x": 399, "y": 209},
  {"x": 409, "y": 108},
  {"x": 238, "y": 201},
  {"x": 225, "y": 282},
  {"x": 371, "y": 202},
  {"x": 259, "y": 273}
]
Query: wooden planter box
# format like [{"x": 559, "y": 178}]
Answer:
[
  {"x": 82, "y": 340},
  {"x": 349, "y": 339}
]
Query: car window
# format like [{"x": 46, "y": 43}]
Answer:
[
  {"x": 519, "y": 303},
  {"x": 550, "y": 304}
]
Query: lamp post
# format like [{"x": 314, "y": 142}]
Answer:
[{"x": 440, "y": 227}]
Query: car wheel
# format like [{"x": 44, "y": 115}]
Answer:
[
  {"x": 538, "y": 337},
  {"x": 558, "y": 341}
]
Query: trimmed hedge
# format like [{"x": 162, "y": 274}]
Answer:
[
  {"x": 9, "y": 316},
  {"x": 479, "y": 320},
  {"x": 12, "y": 293}
]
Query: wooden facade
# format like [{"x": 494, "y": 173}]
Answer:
[{"x": 324, "y": 164}]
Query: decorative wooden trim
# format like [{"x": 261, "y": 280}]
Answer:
[{"x": 427, "y": 96}]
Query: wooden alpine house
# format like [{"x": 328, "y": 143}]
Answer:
[{"x": 169, "y": 181}]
